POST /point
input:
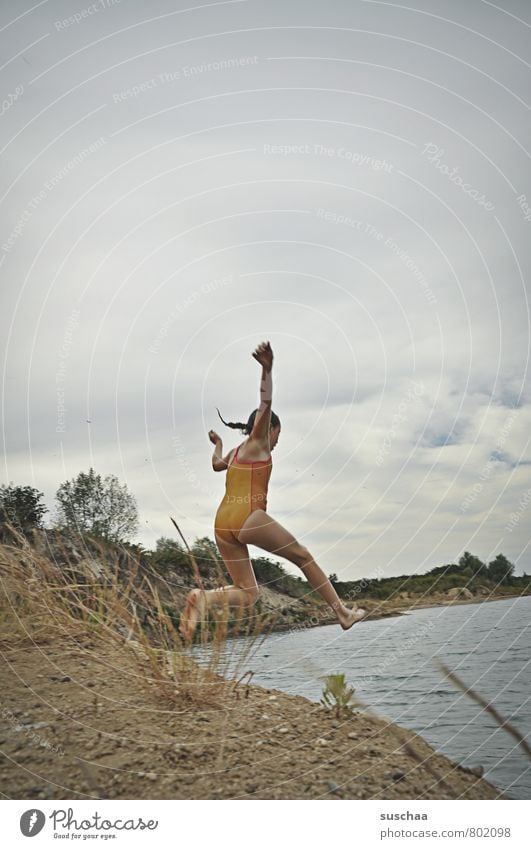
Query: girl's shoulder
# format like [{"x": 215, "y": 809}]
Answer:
[{"x": 252, "y": 451}]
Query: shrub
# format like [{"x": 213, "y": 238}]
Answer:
[{"x": 338, "y": 696}]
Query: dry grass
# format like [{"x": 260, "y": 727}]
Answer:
[
  {"x": 41, "y": 599},
  {"x": 46, "y": 600}
]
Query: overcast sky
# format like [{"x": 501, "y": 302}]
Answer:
[{"x": 349, "y": 180}]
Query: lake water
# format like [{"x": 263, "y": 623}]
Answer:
[{"x": 392, "y": 665}]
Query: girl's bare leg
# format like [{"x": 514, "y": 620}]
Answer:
[
  {"x": 243, "y": 593},
  {"x": 262, "y": 530}
]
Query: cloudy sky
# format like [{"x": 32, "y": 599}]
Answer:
[{"x": 349, "y": 180}]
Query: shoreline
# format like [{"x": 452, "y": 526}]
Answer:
[
  {"x": 171, "y": 730},
  {"x": 379, "y": 611},
  {"x": 455, "y": 602},
  {"x": 119, "y": 739}
]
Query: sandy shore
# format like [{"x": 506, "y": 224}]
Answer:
[
  {"x": 86, "y": 714},
  {"x": 85, "y": 719}
]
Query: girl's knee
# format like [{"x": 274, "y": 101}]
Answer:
[
  {"x": 301, "y": 556},
  {"x": 252, "y": 594}
]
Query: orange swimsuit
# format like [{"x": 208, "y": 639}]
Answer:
[{"x": 245, "y": 491}]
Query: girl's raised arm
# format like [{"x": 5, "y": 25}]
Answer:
[{"x": 264, "y": 355}]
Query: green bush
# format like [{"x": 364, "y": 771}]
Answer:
[{"x": 337, "y": 696}]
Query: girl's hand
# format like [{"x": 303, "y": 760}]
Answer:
[
  {"x": 214, "y": 438},
  {"x": 264, "y": 354}
]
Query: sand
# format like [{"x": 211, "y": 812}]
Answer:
[{"x": 84, "y": 719}]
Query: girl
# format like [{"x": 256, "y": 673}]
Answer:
[{"x": 242, "y": 517}]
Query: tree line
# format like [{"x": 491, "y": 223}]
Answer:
[
  {"x": 469, "y": 572},
  {"x": 102, "y": 507}
]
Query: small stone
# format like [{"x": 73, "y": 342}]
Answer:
[
  {"x": 152, "y": 776},
  {"x": 333, "y": 787},
  {"x": 352, "y": 735},
  {"x": 272, "y": 698},
  {"x": 321, "y": 741},
  {"x": 395, "y": 775},
  {"x": 65, "y": 678},
  {"x": 283, "y": 730},
  {"x": 477, "y": 770},
  {"x": 141, "y": 774}
]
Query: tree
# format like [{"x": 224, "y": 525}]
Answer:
[
  {"x": 21, "y": 505},
  {"x": 472, "y": 565},
  {"x": 166, "y": 546},
  {"x": 500, "y": 569},
  {"x": 205, "y": 551},
  {"x": 169, "y": 555},
  {"x": 268, "y": 572},
  {"x": 103, "y": 508}
]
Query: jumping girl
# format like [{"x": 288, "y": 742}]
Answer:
[{"x": 242, "y": 520}]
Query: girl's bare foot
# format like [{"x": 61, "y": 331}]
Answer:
[
  {"x": 349, "y": 617},
  {"x": 192, "y": 613}
]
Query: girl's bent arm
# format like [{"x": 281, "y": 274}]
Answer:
[{"x": 218, "y": 464}]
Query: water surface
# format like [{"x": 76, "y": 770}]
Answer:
[{"x": 391, "y": 663}]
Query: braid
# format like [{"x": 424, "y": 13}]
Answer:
[{"x": 238, "y": 425}]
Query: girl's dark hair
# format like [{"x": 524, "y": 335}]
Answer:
[{"x": 248, "y": 426}]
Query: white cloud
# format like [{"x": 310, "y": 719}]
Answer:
[{"x": 183, "y": 243}]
